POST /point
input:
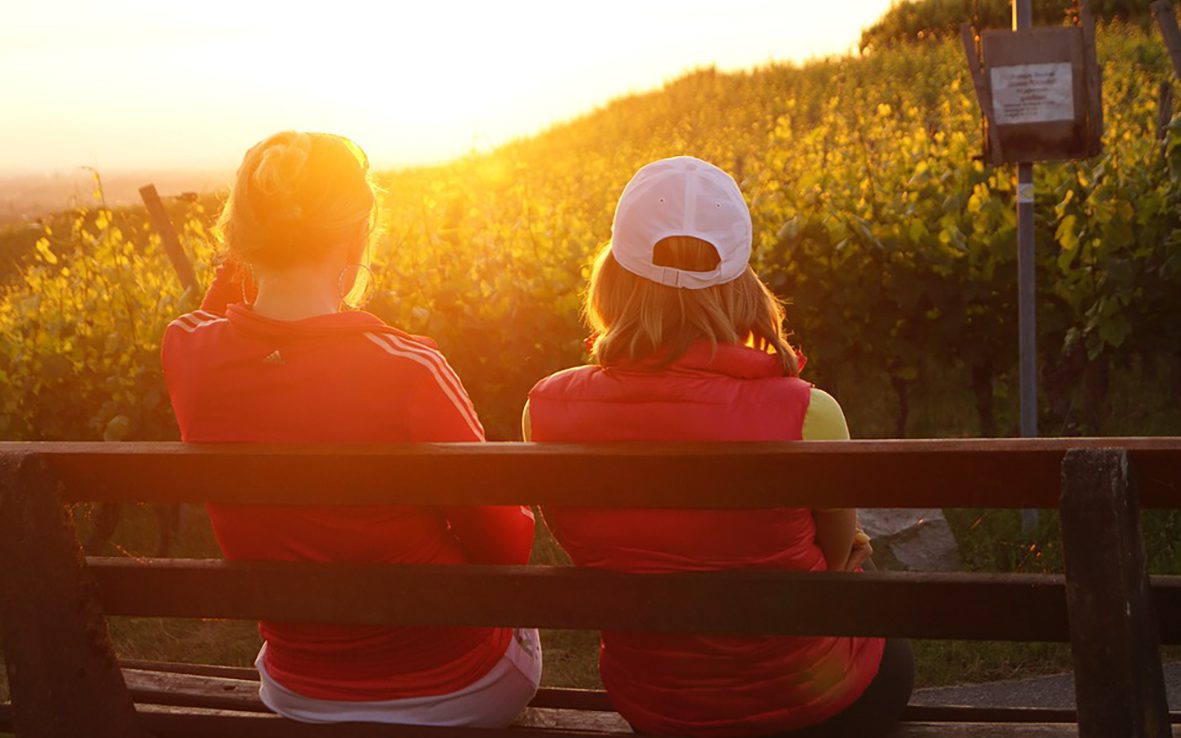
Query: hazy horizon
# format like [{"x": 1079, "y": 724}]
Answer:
[{"x": 129, "y": 86}]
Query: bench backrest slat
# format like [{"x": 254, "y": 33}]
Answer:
[
  {"x": 948, "y": 605},
  {"x": 996, "y": 473}
]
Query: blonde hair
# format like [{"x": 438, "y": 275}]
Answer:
[
  {"x": 298, "y": 197},
  {"x": 637, "y": 319}
]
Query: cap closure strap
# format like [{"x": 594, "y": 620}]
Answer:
[{"x": 670, "y": 277}]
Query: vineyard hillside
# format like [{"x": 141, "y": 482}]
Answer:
[
  {"x": 910, "y": 21},
  {"x": 874, "y": 218}
]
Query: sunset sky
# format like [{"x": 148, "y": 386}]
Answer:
[{"x": 129, "y": 84}]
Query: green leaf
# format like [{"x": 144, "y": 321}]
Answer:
[
  {"x": 1114, "y": 330},
  {"x": 117, "y": 429}
]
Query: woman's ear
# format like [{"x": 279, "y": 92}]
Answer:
[
  {"x": 354, "y": 251},
  {"x": 361, "y": 246}
]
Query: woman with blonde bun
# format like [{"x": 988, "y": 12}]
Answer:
[
  {"x": 690, "y": 346},
  {"x": 275, "y": 355}
]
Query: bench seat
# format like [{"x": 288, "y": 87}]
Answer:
[
  {"x": 199, "y": 700},
  {"x": 166, "y": 721}
]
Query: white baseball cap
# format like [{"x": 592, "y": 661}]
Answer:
[{"x": 682, "y": 196}]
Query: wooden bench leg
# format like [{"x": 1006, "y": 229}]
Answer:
[
  {"x": 1119, "y": 683},
  {"x": 62, "y": 671}
]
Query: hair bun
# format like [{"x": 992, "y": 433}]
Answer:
[
  {"x": 281, "y": 162},
  {"x": 297, "y": 195}
]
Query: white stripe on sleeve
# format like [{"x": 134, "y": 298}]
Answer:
[{"x": 442, "y": 373}]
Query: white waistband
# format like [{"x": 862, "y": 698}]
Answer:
[{"x": 492, "y": 701}]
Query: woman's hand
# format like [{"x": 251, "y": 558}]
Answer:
[
  {"x": 860, "y": 552},
  {"x": 230, "y": 285}
]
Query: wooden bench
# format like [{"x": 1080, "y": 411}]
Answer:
[{"x": 65, "y": 679}]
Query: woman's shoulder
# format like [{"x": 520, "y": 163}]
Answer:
[
  {"x": 189, "y": 334},
  {"x": 194, "y": 321},
  {"x": 565, "y": 381},
  {"x": 398, "y": 346},
  {"x": 824, "y": 420},
  {"x": 412, "y": 359},
  {"x": 387, "y": 336}
]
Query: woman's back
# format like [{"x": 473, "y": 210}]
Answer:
[
  {"x": 340, "y": 378},
  {"x": 700, "y": 684}
]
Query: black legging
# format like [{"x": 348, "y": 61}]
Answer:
[{"x": 878, "y": 708}]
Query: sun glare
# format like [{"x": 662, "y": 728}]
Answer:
[{"x": 128, "y": 84}]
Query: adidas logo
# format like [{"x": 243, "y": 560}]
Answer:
[{"x": 274, "y": 358}]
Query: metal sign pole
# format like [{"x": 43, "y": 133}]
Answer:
[{"x": 1026, "y": 287}]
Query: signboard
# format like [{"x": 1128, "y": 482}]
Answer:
[
  {"x": 1032, "y": 93},
  {"x": 1039, "y": 90}
]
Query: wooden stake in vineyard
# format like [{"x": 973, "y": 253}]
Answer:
[
  {"x": 1166, "y": 20},
  {"x": 1039, "y": 90},
  {"x": 176, "y": 253}
]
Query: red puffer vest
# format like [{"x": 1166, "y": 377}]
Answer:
[{"x": 700, "y": 685}]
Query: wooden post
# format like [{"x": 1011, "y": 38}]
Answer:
[
  {"x": 1095, "y": 74},
  {"x": 1166, "y": 20},
  {"x": 163, "y": 226},
  {"x": 62, "y": 672},
  {"x": 1119, "y": 683},
  {"x": 1164, "y": 110}
]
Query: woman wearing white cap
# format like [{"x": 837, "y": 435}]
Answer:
[{"x": 690, "y": 346}]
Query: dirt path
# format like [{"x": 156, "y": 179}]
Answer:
[{"x": 1047, "y": 691}]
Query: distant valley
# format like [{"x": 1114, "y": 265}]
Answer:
[{"x": 26, "y": 197}]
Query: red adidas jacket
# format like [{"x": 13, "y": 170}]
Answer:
[
  {"x": 701, "y": 685},
  {"x": 341, "y": 378}
]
